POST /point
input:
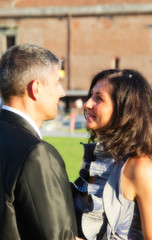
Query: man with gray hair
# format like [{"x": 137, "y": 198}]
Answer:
[{"x": 35, "y": 196}]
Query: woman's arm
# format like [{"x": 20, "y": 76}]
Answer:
[
  {"x": 143, "y": 186},
  {"x": 137, "y": 184}
]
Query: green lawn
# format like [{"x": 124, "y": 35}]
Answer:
[{"x": 71, "y": 151}]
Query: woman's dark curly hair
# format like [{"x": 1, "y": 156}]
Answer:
[{"x": 130, "y": 129}]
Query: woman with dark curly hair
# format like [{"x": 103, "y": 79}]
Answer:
[{"x": 113, "y": 195}]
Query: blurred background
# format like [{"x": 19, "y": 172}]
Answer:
[{"x": 88, "y": 36}]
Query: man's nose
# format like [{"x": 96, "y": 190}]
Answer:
[{"x": 62, "y": 92}]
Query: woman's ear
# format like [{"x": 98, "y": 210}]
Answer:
[{"x": 33, "y": 89}]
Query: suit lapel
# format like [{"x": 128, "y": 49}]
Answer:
[{"x": 16, "y": 119}]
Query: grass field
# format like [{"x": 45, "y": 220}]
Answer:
[{"x": 71, "y": 151}]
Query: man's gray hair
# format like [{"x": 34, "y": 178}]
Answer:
[{"x": 20, "y": 65}]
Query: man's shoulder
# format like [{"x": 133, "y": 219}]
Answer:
[
  {"x": 45, "y": 153},
  {"x": 47, "y": 149}
]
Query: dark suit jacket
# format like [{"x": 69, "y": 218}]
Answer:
[{"x": 35, "y": 196}]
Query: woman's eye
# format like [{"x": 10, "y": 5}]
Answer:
[{"x": 98, "y": 98}]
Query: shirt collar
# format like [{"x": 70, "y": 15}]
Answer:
[{"x": 25, "y": 116}]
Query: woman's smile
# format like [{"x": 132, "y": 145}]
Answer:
[{"x": 90, "y": 116}]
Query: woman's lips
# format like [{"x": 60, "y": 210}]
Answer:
[{"x": 90, "y": 116}]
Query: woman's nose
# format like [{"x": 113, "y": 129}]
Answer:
[{"x": 89, "y": 103}]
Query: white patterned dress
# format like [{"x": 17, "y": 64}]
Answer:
[{"x": 109, "y": 215}]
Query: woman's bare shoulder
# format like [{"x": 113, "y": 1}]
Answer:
[
  {"x": 139, "y": 172},
  {"x": 138, "y": 165}
]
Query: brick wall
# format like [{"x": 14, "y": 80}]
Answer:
[
  {"x": 95, "y": 41},
  {"x": 40, "y": 3}
]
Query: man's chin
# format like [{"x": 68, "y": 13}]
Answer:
[{"x": 52, "y": 117}]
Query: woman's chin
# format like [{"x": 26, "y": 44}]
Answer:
[{"x": 90, "y": 126}]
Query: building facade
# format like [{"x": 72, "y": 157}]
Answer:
[{"x": 88, "y": 35}]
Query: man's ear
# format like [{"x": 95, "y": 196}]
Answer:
[{"x": 33, "y": 89}]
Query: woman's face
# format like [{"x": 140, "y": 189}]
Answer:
[{"x": 99, "y": 107}]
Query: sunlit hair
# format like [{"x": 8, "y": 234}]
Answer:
[
  {"x": 20, "y": 65},
  {"x": 130, "y": 129}
]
